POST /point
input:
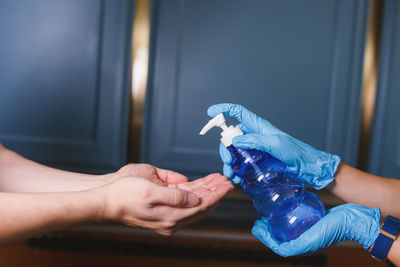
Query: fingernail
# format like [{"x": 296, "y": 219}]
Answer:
[{"x": 193, "y": 200}]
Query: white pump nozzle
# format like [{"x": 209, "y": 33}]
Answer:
[
  {"x": 228, "y": 133},
  {"x": 218, "y": 121}
]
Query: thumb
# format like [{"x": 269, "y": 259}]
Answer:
[
  {"x": 175, "y": 197},
  {"x": 225, "y": 154}
]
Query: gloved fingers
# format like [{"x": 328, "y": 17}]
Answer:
[
  {"x": 228, "y": 171},
  {"x": 236, "y": 180},
  {"x": 363, "y": 223},
  {"x": 331, "y": 229},
  {"x": 345, "y": 208},
  {"x": 336, "y": 226},
  {"x": 244, "y": 128},
  {"x": 337, "y": 208},
  {"x": 230, "y": 109},
  {"x": 264, "y": 143},
  {"x": 326, "y": 232},
  {"x": 308, "y": 242},
  {"x": 251, "y": 120},
  {"x": 225, "y": 154},
  {"x": 262, "y": 232}
]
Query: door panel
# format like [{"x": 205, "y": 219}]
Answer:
[{"x": 385, "y": 148}]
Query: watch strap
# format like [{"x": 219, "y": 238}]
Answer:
[{"x": 387, "y": 235}]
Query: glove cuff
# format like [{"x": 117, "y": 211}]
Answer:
[
  {"x": 328, "y": 170},
  {"x": 373, "y": 232}
]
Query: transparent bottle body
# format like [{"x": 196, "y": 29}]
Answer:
[{"x": 278, "y": 198}]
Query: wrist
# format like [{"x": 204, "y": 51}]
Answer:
[
  {"x": 108, "y": 178},
  {"x": 338, "y": 177},
  {"x": 95, "y": 206},
  {"x": 81, "y": 208},
  {"x": 106, "y": 210}
]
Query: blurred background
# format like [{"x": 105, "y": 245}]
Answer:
[{"x": 92, "y": 85}]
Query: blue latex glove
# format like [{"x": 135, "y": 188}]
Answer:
[
  {"x": 346, "y": 222},
  {"x": 313, "y": 166}
]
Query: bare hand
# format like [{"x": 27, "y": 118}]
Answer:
[
  {"x": 163, "y": 201},
  {"x": 154, "y": 174}
]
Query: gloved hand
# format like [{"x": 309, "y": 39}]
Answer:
[
  {"x": 345, "y": 222},
  {"x": 313, "y": 166}
]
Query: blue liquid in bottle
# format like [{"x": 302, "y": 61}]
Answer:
[{"x": 278, "y": 197}]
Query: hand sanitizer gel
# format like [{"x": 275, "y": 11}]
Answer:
[{"x": 278, "y": 197}]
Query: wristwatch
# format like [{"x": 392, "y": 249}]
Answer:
[{"x": 384, "y": 241}]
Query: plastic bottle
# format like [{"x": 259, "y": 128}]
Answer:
[{"x": 278, "y": 197}]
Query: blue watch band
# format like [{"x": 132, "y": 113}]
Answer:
[{"x": 387, "y": 235}]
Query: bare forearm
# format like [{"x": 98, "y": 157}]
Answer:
[
  {"x": 24, "y": 215},
  {"x": 355, "y": 186},
  {"x": 18, "y": 174}
]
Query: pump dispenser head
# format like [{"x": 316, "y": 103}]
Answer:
[{"x": 228, "y": 133}]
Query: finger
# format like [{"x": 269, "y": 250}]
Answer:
[
  {"x": 220, "y": 191},
  {"x": 269, "y": 143},
  {"x": 210, "y": 191},
  {"x": 207, "y": 183},
  {"x": 337, "y": 208},
  {"x": 324, "y": 233},
  {"x": 190, "y": 215},
  {"x": 225, "y": 154},
  {"x": 194, "y": 218},
  {"x": 227, "y": 170},
  {"x": 248, "y": 118},
  {"x": 233, "y": 110},
  {"x": 209, "y": 200},
  {"x": 186, "y": 216},
  {"x": 244, "y": 128},
  {"x": 223, "y": 189},
  {"x": 207, "y": 187},
  {"x": 206, "y": 180},
  {"x": 175, "y": 197},
  {"x": 236, "y": 180},
  {"x": 341, "y": 208},
  {"x": 308, "y": 242},
  {"x": 174, "y": 214},
  {"x": 262, "y": 232},
  {"x": 264, "y": 143},
  {"x": 216, "y": 180},
  {"x": 171, "y": 177}
]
